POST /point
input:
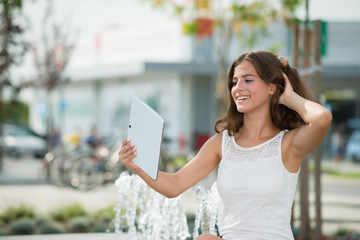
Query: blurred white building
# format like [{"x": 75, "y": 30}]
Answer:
[{"x": 140, "y": 51}]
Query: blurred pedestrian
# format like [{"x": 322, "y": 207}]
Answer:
[
  {"x": 55, "y": 139},
  {"x": 338, "y": 143},
  {"x": 94, "y": 138},
  {"x": 269, "y": 128},
  {"x": 73, "y": 139}
]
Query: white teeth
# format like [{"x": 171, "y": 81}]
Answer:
[{"x": 243, "y": 98}]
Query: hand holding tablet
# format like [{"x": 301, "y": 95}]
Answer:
[{"x": 145, "y": 131}]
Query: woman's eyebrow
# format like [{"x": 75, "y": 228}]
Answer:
[
  {"x": 244, "y": 76},
  {"x": 248, "y": 75}
]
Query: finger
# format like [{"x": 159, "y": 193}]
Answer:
[
  {"x": 285, "y": 77},
  {"x": 128, "y": 156},
  {"x": 125, "y": 142},
  {"x": 125, "y": 148}
]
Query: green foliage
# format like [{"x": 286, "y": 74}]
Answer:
[
  {"x": 10, "y": 5},
  {"x": 80, "y": 224},
  {"x": 291, "y": 5},
  {"x": 101, "y": 227},
  {"x": 68, "y": 212},
  {"x": 3, "y": 232},
  {"x": 336, "y": 173},
  {"x": 20, "y": 211},
  {"x": 14, "y": 111},
  {"x": 52, "y": 228},
  {"x": 190, "y": 28},
  {"x": 296, "y": 232},
  {"x": 354, "y": 175},
  {"x": 104, "y": 219},
  {"x": 179, "y": 162},
  {"x": 178, "y": 10},
  {"x": 190, "y": 219},
  {"x": 105, "y": 214},
  {"x": 276, "y": 47},
  {"x": 341, "y": 232},
  {"x": 22, "y": 226},
  {"x": 41, "y": 220},
  {"x": 349, "y": 234}
]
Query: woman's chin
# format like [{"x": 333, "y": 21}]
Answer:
[{"x": 240, "y": 109}]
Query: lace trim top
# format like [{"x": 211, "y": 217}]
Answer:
[{"x": 256, "y": 189}]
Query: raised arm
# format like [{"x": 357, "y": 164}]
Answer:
[
  {"x": 303, "y": 140},
  {"x": 173, "y": 184}
]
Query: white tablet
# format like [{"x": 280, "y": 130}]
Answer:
[{"x": 145, "y": 131}]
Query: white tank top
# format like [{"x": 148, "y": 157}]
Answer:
[{"x": 257, "y": 191}]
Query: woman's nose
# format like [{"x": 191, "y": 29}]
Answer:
[{"x": 239, "y": 85}]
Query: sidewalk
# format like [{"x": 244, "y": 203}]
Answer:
[
  {"x": 29, "y": 171},
  {"x": 78, "y": 236},
  {"x": 346, "y": 166},
  {"x": 340, "y": 196},
  {"x": 9, "y": 179}
]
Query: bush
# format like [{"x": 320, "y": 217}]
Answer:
[
  {"x": 22, "y": 226},
  {"x": 190, "y": 219},
  {"x": 3, "y": 232},
  {"x": 296, "y": 232},
  {"x": 341, "y": 232},
  {"x": 21, "y": 211},
  {"x": 66, "y": 213},
  {"x": 80, "y": 224},
  {"x": 105, "y": 215},
  {"x": 52, "y": 228},
  {"x": 101, "y": 227},
  {"x": 41, "y": 220},
  {"x": 346, "y": 234}
]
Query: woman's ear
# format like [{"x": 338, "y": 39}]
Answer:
[{"x": 272, "y": 88}]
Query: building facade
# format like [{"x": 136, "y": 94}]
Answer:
[{"x": 176, "y": 75}]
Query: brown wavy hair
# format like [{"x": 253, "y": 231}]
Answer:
[{"x": 270, "y": 68}]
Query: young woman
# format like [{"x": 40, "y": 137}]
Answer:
[{"x": 270, "y": 126}]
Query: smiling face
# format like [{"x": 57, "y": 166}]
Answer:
[{"x": 249, "y": 92}]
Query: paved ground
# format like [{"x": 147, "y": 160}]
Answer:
[
  {"x": 22, "y": 182},
  {"x": 82, "y": 236}
]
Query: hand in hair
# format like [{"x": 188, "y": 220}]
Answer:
[{"x": 288, "y": 91}]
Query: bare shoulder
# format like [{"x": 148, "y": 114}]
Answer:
[
  {"x": 217, "y": 138},
  {"x": 213, "y": 145}
]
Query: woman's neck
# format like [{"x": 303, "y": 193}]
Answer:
[{"x": 258, "y": 126}]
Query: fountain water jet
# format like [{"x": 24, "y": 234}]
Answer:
[{"x": 142, "y": 210}]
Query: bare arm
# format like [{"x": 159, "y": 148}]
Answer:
[
  {"x": 303, "y": 140},
  {"x": 172, "y": 185}
]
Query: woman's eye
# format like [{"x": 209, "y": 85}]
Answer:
[
  {"x": 233, "y": 84},
  {"x": 248, "y": 80}
]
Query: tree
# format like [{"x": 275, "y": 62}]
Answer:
[
  {"x": 51, "y": 57},
  {"x": 12, "y": 49},
  {"x": 219, "y": 21}
]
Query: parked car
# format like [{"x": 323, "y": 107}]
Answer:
[
  {"x": 353, "y": 147},
  {"x": 18, "y": 140}
]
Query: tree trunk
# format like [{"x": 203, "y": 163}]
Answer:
[
  {"x": 221, "y": 88},
  {"x": 295, "y": 63},
  {"x": 305, "y": 230},
  {"x": 1, "y": 129},
  {"x": 318, "y": 151}
]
